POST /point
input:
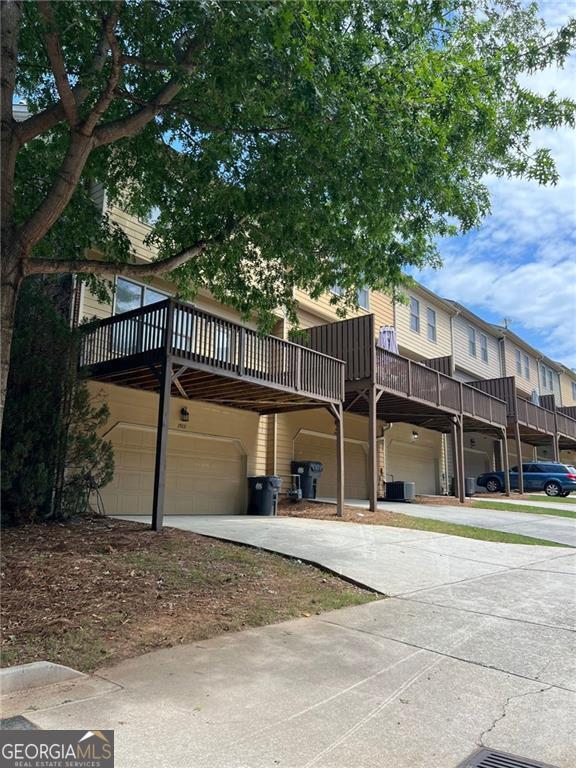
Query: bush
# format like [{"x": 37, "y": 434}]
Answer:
[{"x": 50, "y": 441}]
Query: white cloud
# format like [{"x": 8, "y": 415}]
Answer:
[{"x": 521, "y": 264}]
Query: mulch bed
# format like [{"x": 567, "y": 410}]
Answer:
[{"x": 94, "y": 591}]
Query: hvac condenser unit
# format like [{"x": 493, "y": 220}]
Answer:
[{"x": 400, "y": 490}]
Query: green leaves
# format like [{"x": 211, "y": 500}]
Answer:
[{"x": 346, "y": 136}]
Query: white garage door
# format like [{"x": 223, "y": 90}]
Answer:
[
  {"x": 204, "y": 476},
  {"x": 319, "y": 448},
  {"x": 414, "y": 463}
]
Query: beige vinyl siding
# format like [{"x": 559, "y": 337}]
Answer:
[
  {"x": 319, "y": 311},
  {"x": 567, "y": 389},
  {"x": 475, "y": 365},
  {"x": 136, "y": 231},
  {"x": 526, "y": 385},
  {"x": 418, "y": 345}
]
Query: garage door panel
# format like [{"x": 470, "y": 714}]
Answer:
[
  {"x": 203, "y": 475},
  {"x": 318, "y": 448},
  {"x": 414, "y": 464}
]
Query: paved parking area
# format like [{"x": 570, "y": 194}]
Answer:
[{"x": 475, "y": 648}]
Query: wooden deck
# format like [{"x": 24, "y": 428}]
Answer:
[
  {"x": 217, "y": 360},
  {"x": 408, "y": 391}
]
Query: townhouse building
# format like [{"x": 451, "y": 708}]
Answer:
[{"x": 235, "y": 404}]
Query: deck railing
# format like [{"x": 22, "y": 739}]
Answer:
[
  {"x": 211, "y": 342},
  {"x": 399, "y": 374},
  {"x": 534, "y": 416},
  {"x": 566, "y": 425}
]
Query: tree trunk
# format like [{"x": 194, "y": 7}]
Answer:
[{"x": 11, "y": 281}]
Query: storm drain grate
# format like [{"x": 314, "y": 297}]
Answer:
[
  {"x": 18, "y": 723},
  {"x": 487, "y": 758}
]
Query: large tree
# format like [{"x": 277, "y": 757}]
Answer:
[{"x": 297, "y": 143}]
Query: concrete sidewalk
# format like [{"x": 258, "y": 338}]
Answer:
[{"x": 477, "y": 649}]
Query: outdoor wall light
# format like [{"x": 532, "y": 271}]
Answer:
[
  {"x": 184, "y": 415},
  {"x": 415, "y": 435},
  {"x": 472, "y": 442}
]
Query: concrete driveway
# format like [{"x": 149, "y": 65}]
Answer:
[
  {"x": 476, "y": 648},
  {"x": 559, "y": 529}
]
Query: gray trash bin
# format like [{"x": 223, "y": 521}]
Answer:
[
  {"x": 470, "y": 486},
  {"x": 309, "y": 472},
  {"x": 264, "y": 491}
]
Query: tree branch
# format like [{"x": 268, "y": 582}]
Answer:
[
  {"x": 100, "y": 267},
  {"x": 51, "y": 116},
  {"x": 10, "y": 20},
  {"x": 155, "y": 66},
  {"x": 107, "y": 97},
  {"x": 133, "y": 124},
  {"x": 56, "y": 58}
]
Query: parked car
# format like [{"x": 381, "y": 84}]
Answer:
[{"x": 552, "y": 477}]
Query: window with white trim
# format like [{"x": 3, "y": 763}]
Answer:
[
  {"x": 431, "y": 317},
  {"x": 151, "y": 217},
  {"x": 471, "y": 341},
  {"x": 574, "y": 391},
  {"x": 526, "y": 367},
  {"x": 484, "y": 347},
  {"x": 363, "y": 296},
  {"x": 414, "y": 315},
  {"x": 518, "y": 362}
]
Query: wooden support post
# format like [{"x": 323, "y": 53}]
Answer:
[
  {"x": 505, "y": 462},
  {"x": 339, "y": 421},
  {"x": 555, "y": 447},
  {"x": 519, "y": 455},
  {"x": 372, "y": 450},
  {"x": 455, "y": 458},
  {"x": 161, "y": 445},
  {"x": 462, "y": 483}
]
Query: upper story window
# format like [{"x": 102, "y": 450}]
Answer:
[
  {"x": 431, "y": 315},
  {"x": 130, "y": 295},
  {"x": 526, "y": 367},
  {"x": 362, "y": 295},
  {"x": 414, "y": 314},
  {"x": 518, "y": 355},
  {"x": 574, "y": 390},
  {"x": 547, "y": 377},
  {"x": 471, "y": 341},
  {"x": 484, "y": 347}
]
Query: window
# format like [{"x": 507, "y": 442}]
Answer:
[
  {"x": 431, "y": 324},
  {"x": 131, "y": 295},
  {"x": 484, "y": 347},
  {"x": 414, "y": 314},
  {"x": 574, "y": 390},
  {"x": 550, "y": 379},
  {"x": 131, "y": 337},
  {"x": 543, "y": 376},
  {"x": 526, "y": 367},
  {"x": 471, "y": 341},
  {"x": 336, "y": 290},
  {"x": 362, "y": 295},
  {"x": 518, "y": 362}
]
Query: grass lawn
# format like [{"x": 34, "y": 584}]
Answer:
[
  {"x": 566, "y": 500},
  {"x": 502, "y": 505},
  {"x": 397, "y": 520},
  {"x": 95, "y": 591}
]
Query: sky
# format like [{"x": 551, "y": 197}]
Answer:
[{"x": 521, "y": 263}]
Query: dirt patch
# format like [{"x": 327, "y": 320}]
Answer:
[{"x": 96, "y": 591}]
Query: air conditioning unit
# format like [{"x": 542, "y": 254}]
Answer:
[{"x": 400, "y": 490}]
